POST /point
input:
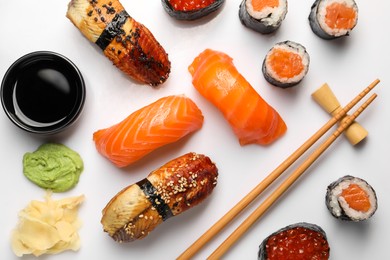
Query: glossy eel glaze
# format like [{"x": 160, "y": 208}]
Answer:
[{"x": 126, "y": 42}]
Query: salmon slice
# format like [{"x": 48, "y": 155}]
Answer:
[
  {"x": 356, "y": 197},
  {"x": 163, "y": 122},
  {"x": 285, "y": 64},
  {"x": 259, "y": 5},
  {"x": 340, "y": 16},
  {"x": 252, "y": 119}
]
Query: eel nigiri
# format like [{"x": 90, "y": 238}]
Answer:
[
  {"x": 160, "y": 123},
  {"x": 168, "y": 191},
  {"x": 253, "y": 120},
  {"x": 126, "y": 42}
]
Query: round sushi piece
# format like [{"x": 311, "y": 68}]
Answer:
[
  {"x": 190, "y": 9},
  {"x": 297, "y": 241},
  {"x": 351, "y": 198},
  {"x": 286, "y": 64},
  {"x": 263, "y": 16},
  {"x": 331, "y": 19}
]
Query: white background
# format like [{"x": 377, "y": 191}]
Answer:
[{"x": 348, "y": 65}]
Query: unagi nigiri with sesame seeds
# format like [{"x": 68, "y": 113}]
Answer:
[
  {"x": 168, "y": 191},
  {"x": 126, "y": 42},
  {"x": 253, "y": 120},
  {"x": 163, "y": 122}
]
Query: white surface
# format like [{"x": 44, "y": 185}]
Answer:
[{"x": 347, "y": 65}]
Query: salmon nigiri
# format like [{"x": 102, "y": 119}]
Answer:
[
  {"x": 162, "y": 122},
  {"x": 253, "y": 120}
]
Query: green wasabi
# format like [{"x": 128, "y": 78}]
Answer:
[{"x": 53, "y": 166}]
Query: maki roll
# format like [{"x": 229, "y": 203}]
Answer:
[
  {"x": 351, "y": 198},
  {"x": 297, "y": 241},
  {"x": 262, "y": 16},
  {"x": 286, "y": 64},
  {"x": 331, "y": 19},
  {"x": 191, "y": 9}
]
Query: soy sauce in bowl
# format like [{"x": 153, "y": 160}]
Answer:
[{"x": 43, "y": 92}]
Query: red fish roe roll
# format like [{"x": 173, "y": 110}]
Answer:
[
  {"x": 191, "y": 9},
  {"x": 331, "y": 19},
  {"x": 297, "y": 241}
]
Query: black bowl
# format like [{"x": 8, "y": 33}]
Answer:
[{"x": 43, "y": 92}]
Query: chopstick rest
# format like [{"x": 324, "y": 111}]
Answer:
[{"x": 325, "y": 97}]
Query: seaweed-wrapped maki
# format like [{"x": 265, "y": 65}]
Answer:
[
  {"x": 351, "y": 198},
  {"x": 286, "y": 64},
  {"x": 297, "y": 241},
  {"x": 262, "y": 16},
  {"x": 191, "y": 9},
  {"x": 331, "y": 19}
]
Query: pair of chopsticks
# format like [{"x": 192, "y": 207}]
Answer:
[{"x": 268, "y": 202}]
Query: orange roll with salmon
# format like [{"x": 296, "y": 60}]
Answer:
[
  {"x": 253, "y": 120},
  {"x": 351, "y": 198},
  {"x": 331, "y": 19},
  {"x": 286, "y": 64},
  {"x": 163, "y": 122},
  {"x": 263, "y": 16}
]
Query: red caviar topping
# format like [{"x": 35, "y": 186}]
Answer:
[
  {"x": 190, "y": 5},
  {"x": 297, "y": 243}
]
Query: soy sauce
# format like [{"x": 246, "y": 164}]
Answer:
[{"x": 44, "y": 93}]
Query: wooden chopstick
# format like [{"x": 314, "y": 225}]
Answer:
[
  {"x": 268, "y": 202},
  {"x": 231, "y": 214}
]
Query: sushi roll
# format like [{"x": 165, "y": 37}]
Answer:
[
  {"x": 262, "y": 16},
  {"x": 286, "y": 64},
  {"x": 351, "y": 198},
  {"x": 331, "y": 19},
  {"x": 297, "y": 241},
  {"x": 191, "y": 9}
]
